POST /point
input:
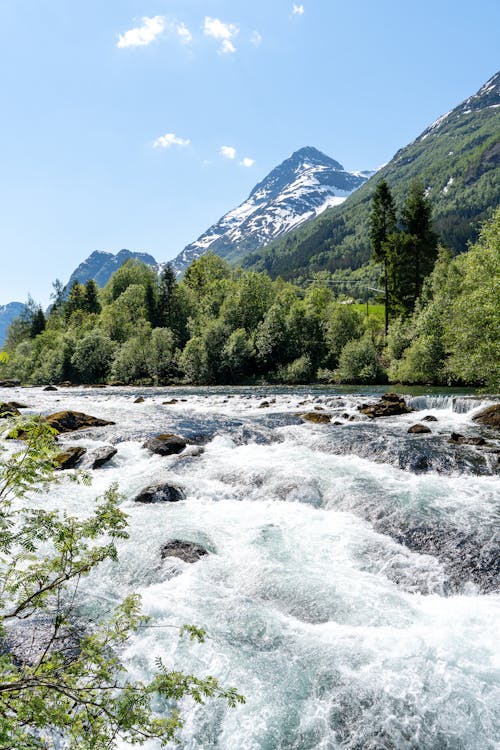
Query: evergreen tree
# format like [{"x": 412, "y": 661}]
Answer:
[
  {"x": 57, "y": 296},
  {"x": 37, "y": 323},
  {"x": 417, "y": 222},
  {"x": 166, "y": 297},
  {"x": 382, "y": 225},
  {"x": 76, "y": 299},
  {"x": 91, "y": 297}
]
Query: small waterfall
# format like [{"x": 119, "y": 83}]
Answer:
[{"x": 456, "y": 404}]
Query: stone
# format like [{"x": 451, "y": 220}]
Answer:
[
  {"x": 170, "y": 402},
  {"x": 165, "y": 444},
  {"x": 10, "y": 383},
  {"x": 457, "y": 439},
  {"x": 316, "y": 417},
  {"x": 419, "y": 429},
  {"x": 139, "y": 400},
  {"x": 69, "y": 457},
  {"x": 489, "y": 416},
  {"x": 187, "y": 551},
  {"x": 9, "y": 409},
  {"x": 390, "y": 405},
  {"x": 101, "y": 456},
  {"x": 70, "y": 421},
  {"x": 160, "y": 493},
  {"x": 50, "y": 388},
  {"x": 264, "y": 405},
  {"x": 429, "y": 418}
]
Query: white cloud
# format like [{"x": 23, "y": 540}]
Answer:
[
  {"x": 170, "y": 139},
  {"x": 142, "y": 35},
  {"x": 227, "y": 152},
  {"x": 224, "y": 32},
  {"x": 227, "y": 47},
  {"x": 183, "y": 33},
  {"x": 247, "y": 162},
  {"x": 298, "y": 10},
  {"x": 255, "y": 38}
]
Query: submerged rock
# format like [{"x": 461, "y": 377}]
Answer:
[
  {"x": 10, "y": 383},
  {"x": 170, "y": 402},
  {"x": 264, "y": 405},
  {"x": 160, "y": 493},
  {"x": 50, "y": 388},
  {"x": 390, "y": 405},
  {"x": 419, "y": 429},
  {"x": 165, "y": 444},
  {"x": 458, "y": 439},
  {"x": 316, "y": 417},
  {"x": 429, "y": 418},
  {"x": 187, "y": 551},
  {"x": 69, "y": 457},
  {"x": 489, "y": 416},
  {"x": 139, "y": 400}
]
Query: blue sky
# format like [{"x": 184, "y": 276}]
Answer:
[{"x": 115, "y": 113}]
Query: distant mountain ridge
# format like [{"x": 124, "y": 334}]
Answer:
[
  {"x": 298, "y": 189},
  {"x": 7, "y": 314},
  {"x": 101, "y": 265},
  {"x": 457, "y": 158}
]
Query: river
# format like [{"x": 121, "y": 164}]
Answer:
[{"x": 351, "y": 590}]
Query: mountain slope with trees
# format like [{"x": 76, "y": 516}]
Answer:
[{"x": 457, "y": 159}]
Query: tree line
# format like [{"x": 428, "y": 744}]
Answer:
[{"x": 227, "y": 325}]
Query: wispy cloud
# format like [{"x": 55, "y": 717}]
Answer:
[
  {"x": 183, "y": 33},
  {"x": 247, "y": 162},
  {"x": 298, "y": 10},
  {"x": 170, "y": 139},
  {"x": 142, "y": 35},
  {"x": 227, "y": 152},
  {"x": 255, "y": 38},
  {"x": 224, "y": 32}
]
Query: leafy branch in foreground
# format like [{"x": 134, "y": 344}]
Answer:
[{"x": 67, "y": 688}]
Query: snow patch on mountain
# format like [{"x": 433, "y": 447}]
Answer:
[{"x": 299, "y": 189}]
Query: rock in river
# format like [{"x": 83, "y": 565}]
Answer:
[
  {"x": 66, "y": 421},
  {"x": 187, "y": 551},
  {"x": 101, "y": 456},
  {"x": 165, "y": 444},
  {"x": 390, "y": 405},
  {"x": 69, "y": 457},
  {"x": 419, "y": 429},
  {"x": 316, "y": 417},
  {"x": 160, "y": 493},
  {"x": 489, "y": 416},
  {"x": 9, "y": 409}
]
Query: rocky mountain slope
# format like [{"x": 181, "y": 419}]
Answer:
[
  {"x": 458, "y": 160},
  {"x": 101, "y": 265},
  {"x": 7, "y": 314},
  {"x": 300, "y": 188}
]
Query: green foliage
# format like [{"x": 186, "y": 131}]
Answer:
[
  {"x": 84, "y": 698},
  {"x": 93, "y": 357},
  {"x": 360, "y": 362},
  {"x": 301, "y": 370},
  {"x": 343, "y": 324}
]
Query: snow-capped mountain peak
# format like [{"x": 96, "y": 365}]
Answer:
[{"x": 298, "y": 189}]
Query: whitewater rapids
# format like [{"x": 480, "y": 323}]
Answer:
[{"x": 351, "y": 592}]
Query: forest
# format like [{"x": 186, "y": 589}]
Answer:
[{"x": 222, "y": 324}]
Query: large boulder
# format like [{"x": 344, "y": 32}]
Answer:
[
  {"x": 316, "y": 417},
  {"x": 70, "y": 421},
  {"x": 160, "y": 493},
  {"x": 10, "y": 383},
  {"x": 165, "y": 444},
  {"x": 390, "y": 405},
  {"x": 457, "y": 439},
  {"x": 50, "y": 388},
  {"x": 69, "y": 457},
  {"x": 187, "y": 551},
  {"x": 489, "y": 416}
]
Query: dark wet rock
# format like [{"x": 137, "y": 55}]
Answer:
[
  {"x": 419, "y": 429},
  {"x": 187, "y": 551},
  {"x": 66, "y": 384},
  {"x": 27, "y": 640},
  {"x": 9, "y": 409},
  {"x": 50, "y": 388},
  {"x": 165, "y": 444},
  {"x": 429, "y": 418},
  {"x": 170, "y": 402},
  {"x": 337, "y": 423},
  {"x": 457, "y": 439},
  {"x": 319, "y": 408},
  {"x": 101, "y": 456},
  {"x": 264, "y": 405},
  {"x": 70, "y": 421},
  {"x": 316, "y": 417},
  {"x": 160, "y": 493},
  {"x": 66, "y": 421},
  {"x": 139, "y": 400},
  {"x": 69, "y": 457},
  {"x": 390, "y": 405},
  {"x": 10, "y": 383},
  {"x": 489, "y": 416}
]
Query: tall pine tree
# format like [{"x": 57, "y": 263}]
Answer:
[
  {"x": 382, "y": 226},
  {"x": 417, "y": 222}
]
